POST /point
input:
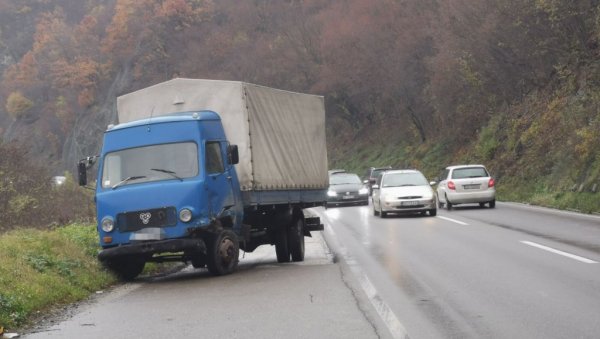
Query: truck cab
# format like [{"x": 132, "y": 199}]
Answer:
[{"x": 168, "y": 180}]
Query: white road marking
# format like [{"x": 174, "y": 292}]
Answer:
[
  {"x": 388, "y": 316},
  {"x": 549, "y": 210},
  {"x": 452, "y": 220},
  {"x": 568, "y": 255}
]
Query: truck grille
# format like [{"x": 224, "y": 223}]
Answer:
[{"x": 158, "y": 217}]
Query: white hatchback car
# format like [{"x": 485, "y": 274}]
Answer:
[
  {"x": 401, "y": 191},
  {"x": 466, "y": 184}
]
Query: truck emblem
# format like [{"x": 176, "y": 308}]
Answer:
[{"x": 145, "y": 217}]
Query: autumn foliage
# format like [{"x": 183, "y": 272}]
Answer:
[
  {"x": 412, "y": 73},
  {"x": 29, "y": 199}
]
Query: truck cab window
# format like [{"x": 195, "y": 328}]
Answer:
[
  {"x": 214, "y": 160},
  {"x": 150, "y": 163}
]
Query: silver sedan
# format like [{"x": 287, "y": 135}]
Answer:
[{"x": 403, "y": 191}]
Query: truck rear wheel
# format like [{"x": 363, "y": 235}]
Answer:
[
  {"x": 296, "y": 239},
  {"x": 281, "y": 245},
  {"x": 125, "y": 268},
  {"x": 223, "y": 253}
]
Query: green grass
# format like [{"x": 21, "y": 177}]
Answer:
[{"x": 43, "y": 269}]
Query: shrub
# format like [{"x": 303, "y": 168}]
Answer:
[{"x": 17, "y": 105}]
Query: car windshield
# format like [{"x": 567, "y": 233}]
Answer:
[
  {"x": 469, "y": 172},
  {"x": 404, "y": 179},
  {"x": 376, "y": 172},
  {"x": 341, "y": 178},
  {"x": 150, "y": 163}
]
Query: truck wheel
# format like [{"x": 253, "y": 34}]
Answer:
[
  {"x": 125, "y": 268},
  {"x": 223, "y": 253},
  {"x": 198, "y": 260},
  {"x": 296, "y": 240},
  {"x": 281, "y": 245}
]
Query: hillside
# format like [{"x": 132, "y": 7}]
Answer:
[{"x": 513, "y": 84}]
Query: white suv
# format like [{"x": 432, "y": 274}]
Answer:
[{"x": 466, "y": 184}]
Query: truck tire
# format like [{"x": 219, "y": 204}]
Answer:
[
  {"x": 125, "y": 268},
  {"x": 281, "y": 245},
  {"x": 223, "y": 253},
  {"x": 198, "y": 260},
  {"x": 296, "y": 239}
]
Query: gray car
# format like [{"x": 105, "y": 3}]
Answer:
[
  {"x": 372, "y": 175},
  {"x": 466, "y": 184},
  {"x": 345, "y": 189}
]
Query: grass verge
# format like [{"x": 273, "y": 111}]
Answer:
[{"x": 40, "y": 269}]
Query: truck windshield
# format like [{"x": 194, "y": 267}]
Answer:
[{"x": 150, "y": 163}]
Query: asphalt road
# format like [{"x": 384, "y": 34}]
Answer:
[
  {"x": 317, "y": 298},
  {"x": 510, "y": 272}
]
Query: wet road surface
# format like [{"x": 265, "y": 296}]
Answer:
[{"x": 510, "y": 272}]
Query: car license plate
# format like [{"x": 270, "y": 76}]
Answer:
[
  {"x": 348, "y": 197},
  {"x": 410, "y": 203},
  {"x": 471, "y": 187}
]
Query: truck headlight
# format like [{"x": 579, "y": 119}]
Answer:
[
  {"x": 108, "y": 224},
  {"x": 331, "y": 193},
  {"x": 185, "y": 215}
]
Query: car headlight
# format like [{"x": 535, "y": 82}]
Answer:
[
  {"x": 331, "y": 193},
  {"x": 185, "y": 215},
  {"x": 108, "y": 224},
  {"x": 363, "y": 190}
]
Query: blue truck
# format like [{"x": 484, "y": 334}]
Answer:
[{"x": 196, "y": 170}]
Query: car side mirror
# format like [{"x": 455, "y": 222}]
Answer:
[
  {"x": 433, "y": 183},
  {"x": 233, "y": 154},
  {"x": 82, "y": 166},
  {"x": 82, "y": 173},
  {"x": 365, "y": 181},
  {"x": 375, "y": 187}
]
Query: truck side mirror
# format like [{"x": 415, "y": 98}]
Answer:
[
  {"x": 82, "y": 173},
  {"x": 233, "y": 155}
]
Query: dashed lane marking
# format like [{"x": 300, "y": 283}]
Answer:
[
  {"x": 565, "y": 254},
  {"x": 452, "y": 220}
]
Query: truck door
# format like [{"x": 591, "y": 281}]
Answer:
[{"x": 218, "y": 178}]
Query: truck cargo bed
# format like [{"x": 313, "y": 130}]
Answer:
[{"x": 306, "y": 198}]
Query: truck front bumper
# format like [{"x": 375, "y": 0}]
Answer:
[{"x": 148, "y": 248}]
